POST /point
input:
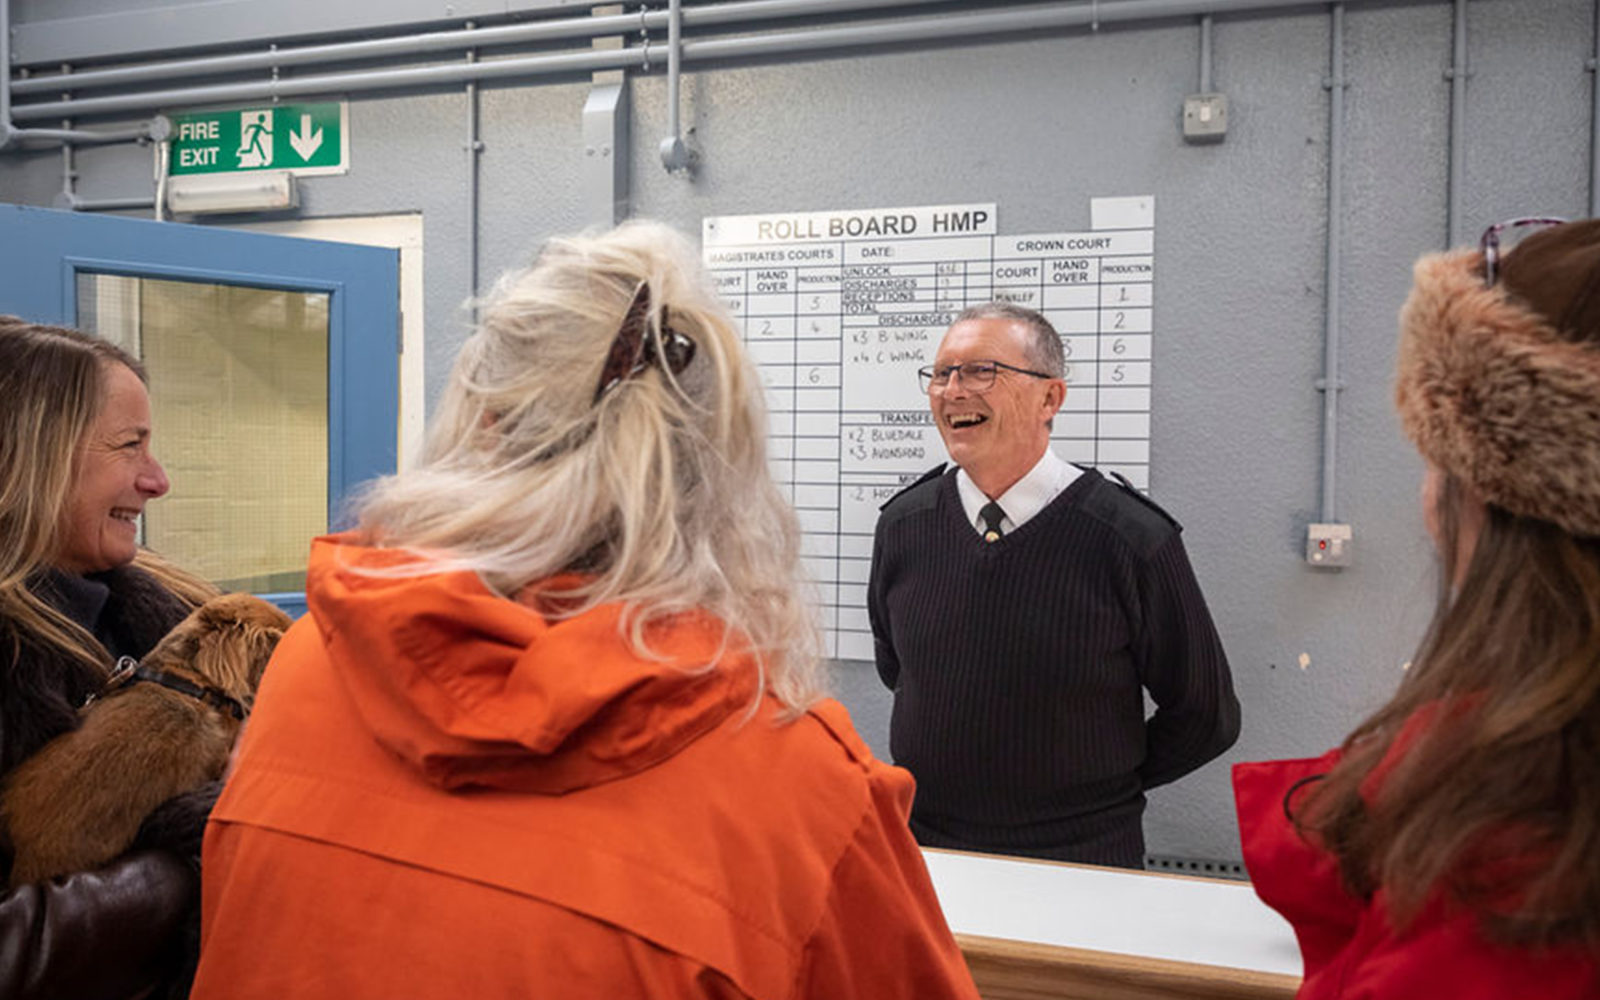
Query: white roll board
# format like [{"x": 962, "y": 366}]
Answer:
[{"x": 840, "y": 309}]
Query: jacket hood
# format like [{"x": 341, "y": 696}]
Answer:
[
  {"x": 473, "y": 689},
  {"x": 1493, "y": 394}
]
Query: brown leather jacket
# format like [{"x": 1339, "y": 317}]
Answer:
[
  {"x": 114, "y": 932},
  {"x": 103, "y": 934}
]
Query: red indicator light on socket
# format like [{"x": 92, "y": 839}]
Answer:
[{"x": 1322, "y": 543}]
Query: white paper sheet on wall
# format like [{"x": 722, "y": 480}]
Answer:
[
  {"x": 840, "y": 309},
  {"x": 1122, "y": 213}
]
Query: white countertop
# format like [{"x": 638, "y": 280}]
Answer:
[{"x": 1132, "y": 913}]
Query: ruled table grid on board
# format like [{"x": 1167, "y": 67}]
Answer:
[{"x": 838, "y": 328}]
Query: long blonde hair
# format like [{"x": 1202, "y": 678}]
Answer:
[
  {"x": 657, "y": 492},
  {"x": 52, "y": 380}
]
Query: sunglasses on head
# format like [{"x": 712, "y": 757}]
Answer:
[
  {"x": 1490, "y": 244},
  {"x": 634, "y": 349}
]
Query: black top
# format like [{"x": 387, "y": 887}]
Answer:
[
  {"x": 1019, "y": 669},
  {"x": 41, "y": 690},
  {"x": 110, "y": 933}
]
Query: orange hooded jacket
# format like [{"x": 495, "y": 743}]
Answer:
[{"x": 443, "y": 794}]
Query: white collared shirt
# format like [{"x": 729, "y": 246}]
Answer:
[{"x": 1027, "y": 497}]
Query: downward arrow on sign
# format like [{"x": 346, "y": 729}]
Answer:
[{"x": 306, "y": 141}]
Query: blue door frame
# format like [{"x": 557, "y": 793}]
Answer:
[{"x": 42, "y": 251}]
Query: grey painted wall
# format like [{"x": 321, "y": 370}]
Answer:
[{"x": 1039, "y": 125}]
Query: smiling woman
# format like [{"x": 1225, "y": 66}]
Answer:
[
  {"x": 114, "y": 475},
  {"x": 76, "y": 591}
]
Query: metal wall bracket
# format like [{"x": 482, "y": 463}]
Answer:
[{"x": 605, "y": 153}]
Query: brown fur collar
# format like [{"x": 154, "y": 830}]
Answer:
[
  {"x": 40, "y": 689},
  {"x": 1490, "y": 393}
]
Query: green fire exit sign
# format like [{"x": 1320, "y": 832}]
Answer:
[{"x": 302, "y": 138}]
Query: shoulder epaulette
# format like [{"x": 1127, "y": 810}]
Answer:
[
  {"x": 930, "y": 475},
  {"x": 1137, "y": 520},
  {"x": 1140, "y": 496}
]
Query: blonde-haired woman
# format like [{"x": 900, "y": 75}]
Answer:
[
  {"x": 76, "y": 592},
  {"x": 1451, "y": 847},
  {"x": 554, "y": 725}
]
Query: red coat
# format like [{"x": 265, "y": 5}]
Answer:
[
  {"x": 443, "y": 794},
  {"x": 1350, "y": 948}
]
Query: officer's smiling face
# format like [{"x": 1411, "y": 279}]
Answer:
[{"x": 997, "y": 434}]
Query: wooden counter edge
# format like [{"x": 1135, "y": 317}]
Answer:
[{"x": 1026, "y": 970}]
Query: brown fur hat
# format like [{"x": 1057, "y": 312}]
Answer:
[{"x": 1497, "y": 394}]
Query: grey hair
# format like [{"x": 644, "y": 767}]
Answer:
[
  {"x": 658, "y": 493},
  {"x": 1044, "y": 345}
]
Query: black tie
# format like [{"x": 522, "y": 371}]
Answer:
[{"x": 991, "y": 514}]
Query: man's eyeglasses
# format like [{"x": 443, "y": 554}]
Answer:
[
  {"x": 1490, "y": 244},
  {"x": 634, "y": 349},
  {"x": 977, "y": 376}
]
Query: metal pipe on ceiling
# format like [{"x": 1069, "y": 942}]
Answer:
[
  {"x": 513, "y": 34},
  {"x": 5, "y": 73},
  {"x": 1330, "y": 384},
  {"x": 79, "y": 137},
  {"x": 112, "y": 204},
  {"x": 161, "y": 156},
  {"x": 933, "y": 27},
  {"x": 356, "y": 82},
  {"x": 69, "y": 175},
  {"x": 474, "y": 150},
  {"x": 1594, "y": 124},
  {"x": 11, "y": 136},
  {"x": 376, "y": 48},
  {"x": 1457, "y": 74},
  {"x": 676, "y": 156},
  {"x": 69, "y": 155},
  {"x": 674, "y": 63},
  {"x": 1000, "y": 21}
]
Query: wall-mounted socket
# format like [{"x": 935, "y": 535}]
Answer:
[
  {"x": 1205, "y": 117},
  {"x": 1328, "y": 545}
]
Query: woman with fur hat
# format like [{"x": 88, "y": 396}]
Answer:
[
  {"x": 76, "y": 592},
  {"x": 554, "y": 725},
  {"x": 1448, "y": 848}
]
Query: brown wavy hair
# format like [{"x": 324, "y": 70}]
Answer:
[
  {"x": 1496, "y": 800},
  {"x": 1478, "y": 784}
]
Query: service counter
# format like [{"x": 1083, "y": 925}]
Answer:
[{"x": 1039, "y": 930}]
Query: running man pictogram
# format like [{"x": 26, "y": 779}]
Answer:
[{"x": 255, "y": 130}]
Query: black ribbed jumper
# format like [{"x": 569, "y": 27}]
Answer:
[{"x": 1018, "y": 668}]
